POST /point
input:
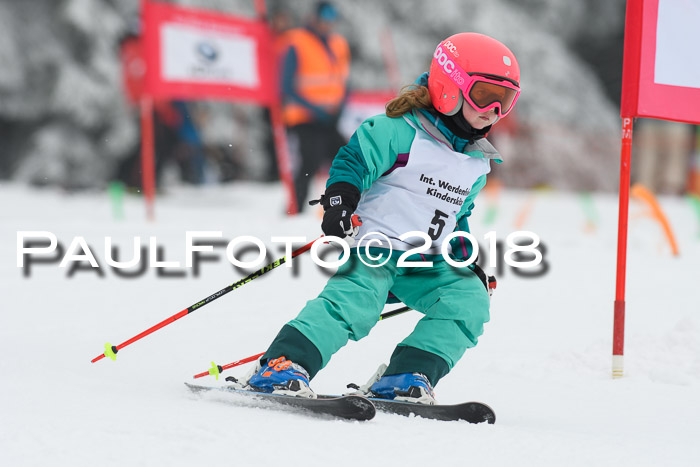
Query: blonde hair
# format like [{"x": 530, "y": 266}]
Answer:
[{"x": 411, "y": 97}]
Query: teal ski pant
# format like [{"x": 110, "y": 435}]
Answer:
[{"x": 454, "y": 301}]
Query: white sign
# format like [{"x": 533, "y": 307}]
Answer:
[
  {"x": 677, "y": 42},
  {"x": 190, "y": 54}
]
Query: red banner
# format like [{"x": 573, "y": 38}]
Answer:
[
  {"x": 360, "y": 106},
  {"x": 197, "y": 54},
  {"x": 661, "y": 73}
]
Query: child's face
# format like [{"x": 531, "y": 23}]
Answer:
[{"x": 478, "y": 120}]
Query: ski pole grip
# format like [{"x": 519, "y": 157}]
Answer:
[{"x": 356, "y": 220}]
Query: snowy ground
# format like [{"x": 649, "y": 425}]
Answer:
[{"x": 543, "y": 362}]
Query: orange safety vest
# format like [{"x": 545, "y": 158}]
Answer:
[{"x": 322, "y": 73}]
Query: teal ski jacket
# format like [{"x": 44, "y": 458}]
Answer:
[{"x": 374, "y": 148}]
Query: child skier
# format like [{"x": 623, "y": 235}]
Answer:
[{"x": 417, "y": 168}]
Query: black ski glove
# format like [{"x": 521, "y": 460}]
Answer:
[{"x": 339, "y": 203}]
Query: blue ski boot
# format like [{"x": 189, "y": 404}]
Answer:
[
  {"x": 409, "y": 387},
  {"x": 282, "y": 376}
]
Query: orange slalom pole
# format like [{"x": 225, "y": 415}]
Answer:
[
  {"x": 639, "y": 191},
  {"x": 525, "y": 211}
]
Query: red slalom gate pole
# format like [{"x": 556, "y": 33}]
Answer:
[
  {"x": 111, "y": 350},
  {"x": 619, "y": 309},
  {"x": 148, "y": 171}
]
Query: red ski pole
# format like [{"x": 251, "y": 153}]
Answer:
[
  {"x": 216, "y": 370},
  {"x": 111, "y": 350}
]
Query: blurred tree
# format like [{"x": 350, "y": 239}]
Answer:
[{"x": 63, "y": 118}]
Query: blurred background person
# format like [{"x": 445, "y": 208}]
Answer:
[
  {"x": 662, "y": 155},
  {"x": 191, "y": 151},
  {"x": 315, "y": 70},
  {"x": 694, "y": 183},
  {"x": 280, "y": 21}
]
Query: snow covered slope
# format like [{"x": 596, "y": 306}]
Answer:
[{"x": 543, "y": 362}]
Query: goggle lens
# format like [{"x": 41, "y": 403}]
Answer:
[{"x": 483, "y": 94}]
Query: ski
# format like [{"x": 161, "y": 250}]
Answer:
[
  {"x": 472, "y": 412},
  {"x": 347, "y": 407}
]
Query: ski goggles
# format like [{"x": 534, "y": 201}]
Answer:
[{"x": 485, "y": 94}]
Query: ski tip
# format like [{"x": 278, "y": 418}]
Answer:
[
  {"x": 478, "y": 412},
  {"x": 366, "y": 411}
]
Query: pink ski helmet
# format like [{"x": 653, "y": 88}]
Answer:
[{"x": 477, "y": 68}]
